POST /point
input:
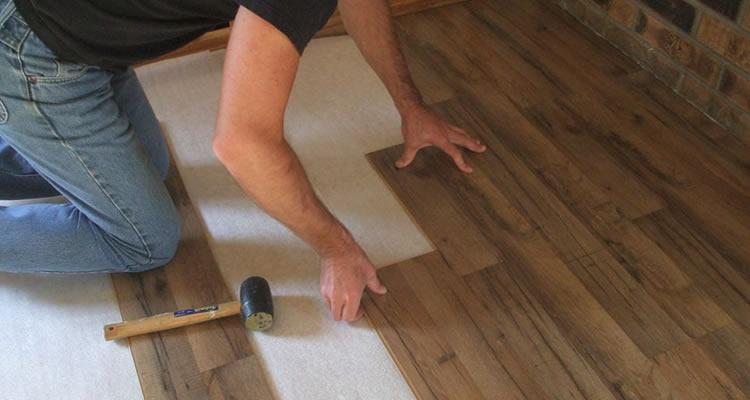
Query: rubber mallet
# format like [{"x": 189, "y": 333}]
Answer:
[{"x": 255, "y": 306}]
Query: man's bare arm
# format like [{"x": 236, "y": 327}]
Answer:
[
  {"x": 370, "y": 24},
  {"x": 259, "y": 71}
]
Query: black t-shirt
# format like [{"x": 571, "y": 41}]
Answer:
[{"x": 114, "y": 34}]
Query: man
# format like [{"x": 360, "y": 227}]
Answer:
[{"x": 75, "y": 121}]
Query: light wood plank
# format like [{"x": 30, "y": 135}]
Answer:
[{"x": 170, "y": 364}]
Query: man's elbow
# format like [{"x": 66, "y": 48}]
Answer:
[{"x": 232, "y": 147}]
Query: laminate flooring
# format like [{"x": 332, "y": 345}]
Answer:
[
  {"x": 600, "y": 249},
  {"x": 212, "y": 360}
]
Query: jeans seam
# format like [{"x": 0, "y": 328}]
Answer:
[
  {"x": 65, "y": 144},
  {"x": 19, "y": 175}
]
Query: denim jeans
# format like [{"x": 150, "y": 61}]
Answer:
[{"x": 90, "y": 135}]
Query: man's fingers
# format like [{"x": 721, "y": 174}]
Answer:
[
  {"x": 360, "y": 313},
  {"x": 351, "y": 308},
  {"x": 337, "y": 307},
  {"x": 376, "y": 286},
  {"x": 459, "y": 130},
  {"x": 463, "y": 139},
  {"x": 453, "y": 151},
  {"x": 407, "y": 157}
]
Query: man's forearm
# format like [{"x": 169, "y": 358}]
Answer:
[
  {"x": 270, "y": 173},
  {"x": 370, "y": 24}
]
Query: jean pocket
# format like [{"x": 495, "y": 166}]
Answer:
[{"x": 40, "y": 64}]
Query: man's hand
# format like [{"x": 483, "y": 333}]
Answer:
[
  {"x": 421, "y": 128},
  {"x": 343, "y": 278}
]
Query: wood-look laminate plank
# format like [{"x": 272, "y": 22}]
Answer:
[
  {"x": 612, "y": 284},
  {"x": 465, "y": 248},
  {"x": 594, "y": 70},
  {"x": 653, "y": 140},
  {"x": 574, "y": 184},
  {"x": 459, "y": 320},
  {"x": 527, "y": 328},
  {"x": 240, "y": 379},
  {"x": 530, "y": 85},
  {"x": 427, "y": 361},
  {"x": 639, "y": 140},
  {"x": 693, "y": 311},
  {"x": 164, "y": 361},
  {"x": 586, "y": 325},
  {"x": 691, "y": 370},
  {"x": 729, "y": 347},
  {"x": 727, "y": 151},
  {"x": 209, "y": 360},
  {"x": 705, "y": 265}
]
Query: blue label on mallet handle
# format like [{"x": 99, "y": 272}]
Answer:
[{"x": 189, "y": 311}]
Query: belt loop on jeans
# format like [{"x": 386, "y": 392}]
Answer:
[
  {"x": 7, "y": 10},
  {"x": 13, "y": 29}
]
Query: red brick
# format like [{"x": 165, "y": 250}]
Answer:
[
  {"x": 725, "y": 40},
  {"x": 679, "y": 48},
  {"x": 736, "y": 87},
  {"x": 622, "y": 10},
  {"x": 678, "y": 12}
]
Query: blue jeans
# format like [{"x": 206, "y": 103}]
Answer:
[{"x": 90, "y": 135}]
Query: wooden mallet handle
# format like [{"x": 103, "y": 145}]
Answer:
[{"x": 162, "y": 322}]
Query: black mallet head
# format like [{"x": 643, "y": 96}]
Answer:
[{"x": 256, "y": 304}]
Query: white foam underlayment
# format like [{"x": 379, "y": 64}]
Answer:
[{"x": 51, "y": 326}]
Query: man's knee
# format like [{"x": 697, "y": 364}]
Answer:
[{"x": 161, "y": 247}]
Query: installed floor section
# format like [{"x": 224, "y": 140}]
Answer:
[
  {"x": 600, "y": 249},
  {"x": 338, "y": 112}
]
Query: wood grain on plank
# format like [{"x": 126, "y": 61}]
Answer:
[
  {"x": 729, "y": 347},
  {"x": 200, "y": 361},
  {"x": 601, "y": 209},
  {"x": 616, "y": 222},
  {"x": 704, "y": 264},
  {"x": 586, "y": 325},
  {"x": 426, "y": 359}
]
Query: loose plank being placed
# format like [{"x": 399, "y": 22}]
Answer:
[{"x": 212, "y": 360}]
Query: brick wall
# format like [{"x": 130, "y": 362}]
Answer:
[{"x": 700, "y": 48}]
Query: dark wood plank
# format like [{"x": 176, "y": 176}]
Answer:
[
  {"x": 653, "y": 270},
  {"x": 645, "y": 143},
  {"x": 468, "y": 251},
  {"x": 170, "y": 364},
  {"x": 690, "y": 369},
  {"x": 459, "y": 320},
  {"x": 425, "y": 358},
  {"x": 698, "y": 259},
  {"x": 617, "y": 223},
  {"x": 530, "y": 84},
  {"x": 241, "y": 379},
  {"x": 729, "y": 347},
  {"x": 586, "y": 325},
  {"x": 531, "y": 333}
]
